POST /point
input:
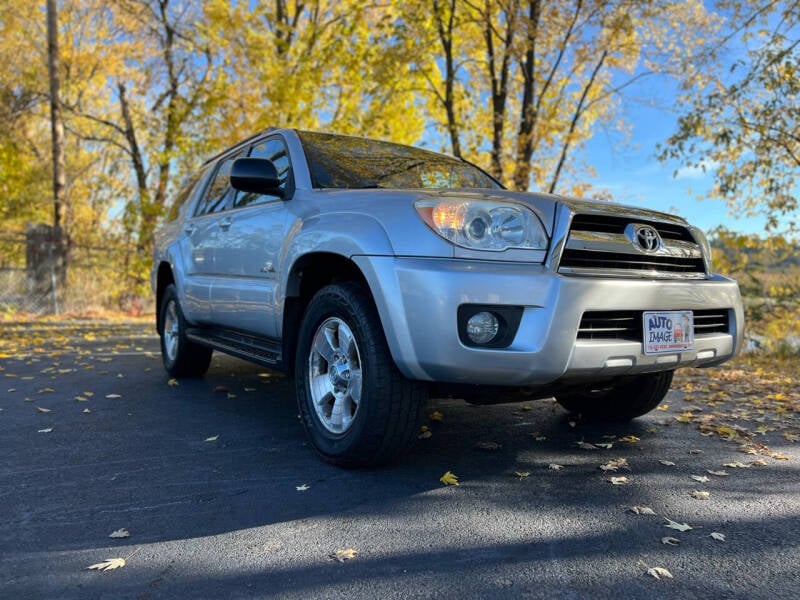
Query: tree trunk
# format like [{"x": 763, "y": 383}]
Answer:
[{"x": 56, "y": 121}]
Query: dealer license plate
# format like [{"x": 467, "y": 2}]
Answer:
[{"x": 668, "y": 331}]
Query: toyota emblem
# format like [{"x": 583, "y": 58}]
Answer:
[{"x": 645, "y": 237}]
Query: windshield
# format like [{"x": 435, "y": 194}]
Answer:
[{"x": 338, "y": 161}]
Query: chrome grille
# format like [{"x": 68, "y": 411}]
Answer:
[
  {"x": 601, "y": 245},
  {"x": 627, "y": 324}
]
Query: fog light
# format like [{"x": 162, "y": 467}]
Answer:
[{"x": 482, "y": 327}]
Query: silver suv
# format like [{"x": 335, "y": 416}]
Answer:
[{"x": 378, "y": 274}]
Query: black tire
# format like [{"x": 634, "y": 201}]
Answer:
[
  {"x": 379, "y": 410},
  {"x": 622, "y": 401},
  {"x": 181, "y": 357}
]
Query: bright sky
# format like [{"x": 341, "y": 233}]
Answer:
[{"x": 634, "y": 176}]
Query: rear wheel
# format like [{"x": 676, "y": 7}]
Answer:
[
  {"x": 181, "y": 357},
  {"x": 622, "y": 401},
  {"x": 357, "y": 408}
]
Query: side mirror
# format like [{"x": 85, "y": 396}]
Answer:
[{"x": 256, "y": 175}]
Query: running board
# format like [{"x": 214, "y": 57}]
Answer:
[{"x": 258, "y": 350}]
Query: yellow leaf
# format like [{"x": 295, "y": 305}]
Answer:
[
  {"x": 522, "y": 474},
  {"x": 42, "y": 410},
  {"x": 449, "y": 479},
  {"x": 108, "y": 564},
  {"x": 659, "y": 572},
  {"x": 667, "y": 463},
  {"x": 112, "y": 396},
  {"x": 344, "y": 554},
  {"x": 631, "y": 439},
  {"x": 700, "y": 478},
  {"x": 619, "y": 480},
  {"x": 172, "y": 382},
  {"x": 213, "y": 438},
  {"x": 436, "y": 416},
  {"x": 700, "y": 495},
  {"x": 555, "y": 467}
]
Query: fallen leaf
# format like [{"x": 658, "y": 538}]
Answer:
[
  {"x": 736, "y": 465},
  {"x": 642, "y": 510},
  {"x": 526, "y": 407},
  {"x": 249, "y": 389},
  {"x": 112, "y": 396},
  {"x": 678, "y": 526},
  {"x": 605, "y": 445},
  {"x": 695, "y": 451},
  {"x": 303, "y": 488},
  {"x": 663, "y": 407},
  {"x": 667, "y": 463},
  {"x": 759, "y": 462},
  {"x": 615, "y": 464},
  {"x": 231, "y": 396},
  {"x": 424, "y": 433},
  {"x": 720, "y": 537},
  {"x": 108, "y": 564},
  {"x": 555, "y": 467},
  {"x": 717, "y": 473},
  {"x": 700, "y": 495},
  {"x": 670, "y": 541},
  {"x": 42, "y": 410},
  {"x": 436, "y": 416},
  {"x": 172, "y": 382},
  {"x": 619, "y": 480},
  {"x": 700, "y": 478},
  {"x": 344, "y": 554},
  {"x": 449, "y": 478},
  {"x": 586, "y": 445},
  {"x": 81, "y": 399},
  {"x": 120, "y": 533},
  {"x": 47, "y": 430},
  {"x": 488, "y": 446},
  {"x": 86, "y": 410},
  {"x": 659, "y": 572},
  {"x": 220, "y": 388},
  {"x": 522, "y": 474},
  {"x": 630, "y": 439},
  {"x": 213, "y": 438}
]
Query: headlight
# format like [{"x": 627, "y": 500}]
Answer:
[{"x": 481, "y": 225}]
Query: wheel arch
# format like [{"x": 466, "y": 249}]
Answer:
[
  {"x": 163, "y": 279},
  {"x": 309, "y": 274}
]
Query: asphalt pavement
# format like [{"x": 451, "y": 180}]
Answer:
[{"x": 222, "y": 497}]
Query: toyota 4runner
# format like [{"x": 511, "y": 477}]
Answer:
[{"x": 378, "y": 274}]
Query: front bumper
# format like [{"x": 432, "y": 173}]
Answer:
[{"x": 418, "y": 299}]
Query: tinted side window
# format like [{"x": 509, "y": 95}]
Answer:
[
  {"x": 183, "y": 195},
  {"x": 274, "y": 150},
  {"x": 219, "y": 190}
]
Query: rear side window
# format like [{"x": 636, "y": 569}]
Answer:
[
  {"x": 219, "y": 190},
  {"x": 274, "y": 150},
  {"x": 186, "y": 195}
]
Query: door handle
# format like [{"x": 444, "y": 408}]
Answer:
[{"x": 225, "y": 223}]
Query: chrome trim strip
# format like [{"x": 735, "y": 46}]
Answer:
[
  {"x": 630, "y": 273},
  {"x": 596, "y": 241}
]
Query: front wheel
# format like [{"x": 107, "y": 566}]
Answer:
[
  {"x": 181, "y": 357},
  {"x": 622, "y": 401},
  {"x": 357, "y": 408}
]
